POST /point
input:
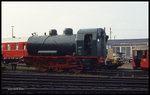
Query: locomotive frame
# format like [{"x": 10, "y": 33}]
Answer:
[
  {"x": 63, "y": 63},
  {"x": 88, "y": 53}
]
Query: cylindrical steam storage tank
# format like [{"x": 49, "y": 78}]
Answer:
[{"x": 52, "y": 44}]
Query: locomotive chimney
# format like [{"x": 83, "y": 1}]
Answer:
[
  {"x": 68, "y": 31},
  {"x": 53, "y": 32}
]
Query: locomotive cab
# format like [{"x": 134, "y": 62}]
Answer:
[{"x": 91, "y": 42}]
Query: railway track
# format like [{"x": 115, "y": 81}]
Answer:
[
  {"x": 19, "y": 82},
  {"x": 102, "y": 72},
  {"x": 122, "y": 73},
  {"x": 74, "y": 91}
]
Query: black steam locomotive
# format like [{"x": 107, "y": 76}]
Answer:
[{"x": 68, "y": 52}]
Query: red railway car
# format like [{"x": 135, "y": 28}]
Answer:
[
  {"x": 140, "y": 58},
  {"x": 13, "y": 49}
]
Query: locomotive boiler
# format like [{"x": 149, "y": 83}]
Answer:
[
  {"x": 73, "y": 52},
  {"x": 52, "y": 44}
]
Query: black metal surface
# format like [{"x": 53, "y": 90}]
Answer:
[{"x": 59, "y": 45}]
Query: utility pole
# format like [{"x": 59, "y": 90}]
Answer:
[
  {"x": 110, "y": 33},
  {"x": 12, "y": 31}
]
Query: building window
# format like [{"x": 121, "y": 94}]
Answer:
[
  {"x": 127, "y": 51},
  {"x": 117, "y": 50},
  {"x": 16, "y": 46},
  {"x": 24, "y": 46},
  {"x": 8, "y": 46},
  {"x": 123, "y": 51}
]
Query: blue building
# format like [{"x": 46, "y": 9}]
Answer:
[{"x": 126, "y": 45}]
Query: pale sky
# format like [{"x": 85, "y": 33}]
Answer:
[{"x": 128, "y": 20}]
